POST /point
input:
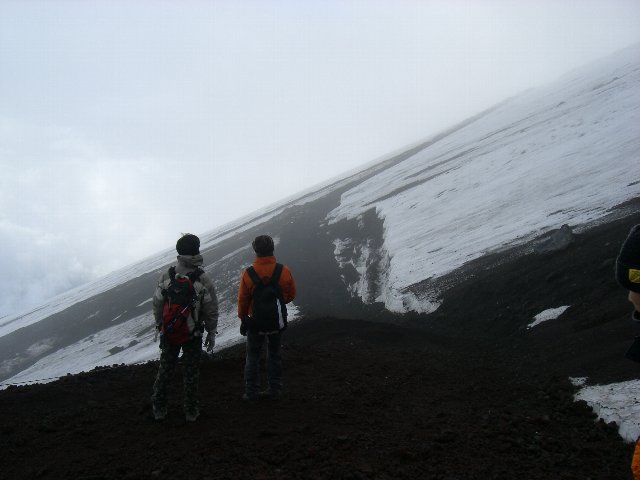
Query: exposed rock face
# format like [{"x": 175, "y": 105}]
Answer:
[{"x": 554, "y": 241}]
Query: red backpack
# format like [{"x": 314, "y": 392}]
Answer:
[{"x": 180, "y": 298}]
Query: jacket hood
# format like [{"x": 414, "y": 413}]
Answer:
[{"x": 190, "y": 261}]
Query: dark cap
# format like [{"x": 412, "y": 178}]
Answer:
[
  {"x": 188, "y": 244},
  {"x": 263, "y": 245}
]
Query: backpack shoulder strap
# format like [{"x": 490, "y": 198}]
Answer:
[
  {"x": 275, "y": 277},
  {"x": 172, "y": 277},
  {"x": 254, "y": 275}
]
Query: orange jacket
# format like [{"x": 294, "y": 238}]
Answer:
[
  {"x": 635, "y": 461},
  {"x": 264, "y": 267}
]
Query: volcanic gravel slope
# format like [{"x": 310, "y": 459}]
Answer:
[{"x": 465, "y": 393}]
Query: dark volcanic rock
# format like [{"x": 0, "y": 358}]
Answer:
[{"x": 554, "y": 241}]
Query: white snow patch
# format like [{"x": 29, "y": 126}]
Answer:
[
  {"x": 359, "y": 259},
  {"x": 145, "y": 302},
  {"x": 423, "y": 303},
  {"x": 40, "y": 347},
  {"x": 549, "y": 314},
  {"x": 617, "y": 402},
  {"x": 33, "y": 350},
  {"x": 94, "y": 351}
]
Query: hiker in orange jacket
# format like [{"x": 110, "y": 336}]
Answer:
[
  {"x": 257, "y": 329},
  {"x": 628, "y": 275},
  {"x": 628, "y": 268},
  {"x": 635, "y": 462}
]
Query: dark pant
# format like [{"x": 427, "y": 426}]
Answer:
[
  {"x": 255, "y": 342},
  {"x": 191, "y": 353}
]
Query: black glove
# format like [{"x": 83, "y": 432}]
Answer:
[
  {"x": 635, "y": 316},
  {"x": 244, "y": 326}
]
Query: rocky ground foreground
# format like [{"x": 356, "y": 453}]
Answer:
[{"x": 465, "y": 393}]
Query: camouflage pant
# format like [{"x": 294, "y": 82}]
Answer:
[{"x": 191, "y": 353}]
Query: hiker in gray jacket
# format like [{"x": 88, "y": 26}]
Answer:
[{"x": 201, "y": 315}]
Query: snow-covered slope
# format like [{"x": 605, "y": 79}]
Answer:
[{"x": 563, "y": 154}]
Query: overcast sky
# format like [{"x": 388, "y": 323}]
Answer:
[{"x": 110, "y": 111}]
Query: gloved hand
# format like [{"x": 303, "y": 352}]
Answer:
[
  {"x": 635, "y": 316},
  {"x": 210, "y": 342},
  {"x": 244, "y": 326}
]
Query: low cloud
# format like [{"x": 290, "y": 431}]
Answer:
[
  {"x": 36, "y": 265},
  {"x": 70, "y": 213}
]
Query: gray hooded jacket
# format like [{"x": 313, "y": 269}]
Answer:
[{"x": 207, "y": 306}]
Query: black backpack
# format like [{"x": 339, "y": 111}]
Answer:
[
  {"x": 178, "y": 324},
  {"x": 269, "y": 312}
]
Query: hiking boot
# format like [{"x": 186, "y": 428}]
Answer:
[
  {"x": 192, "y": 416},
  {"x": 269, "y": 394},
  {"x": 159, "y": 414}
]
